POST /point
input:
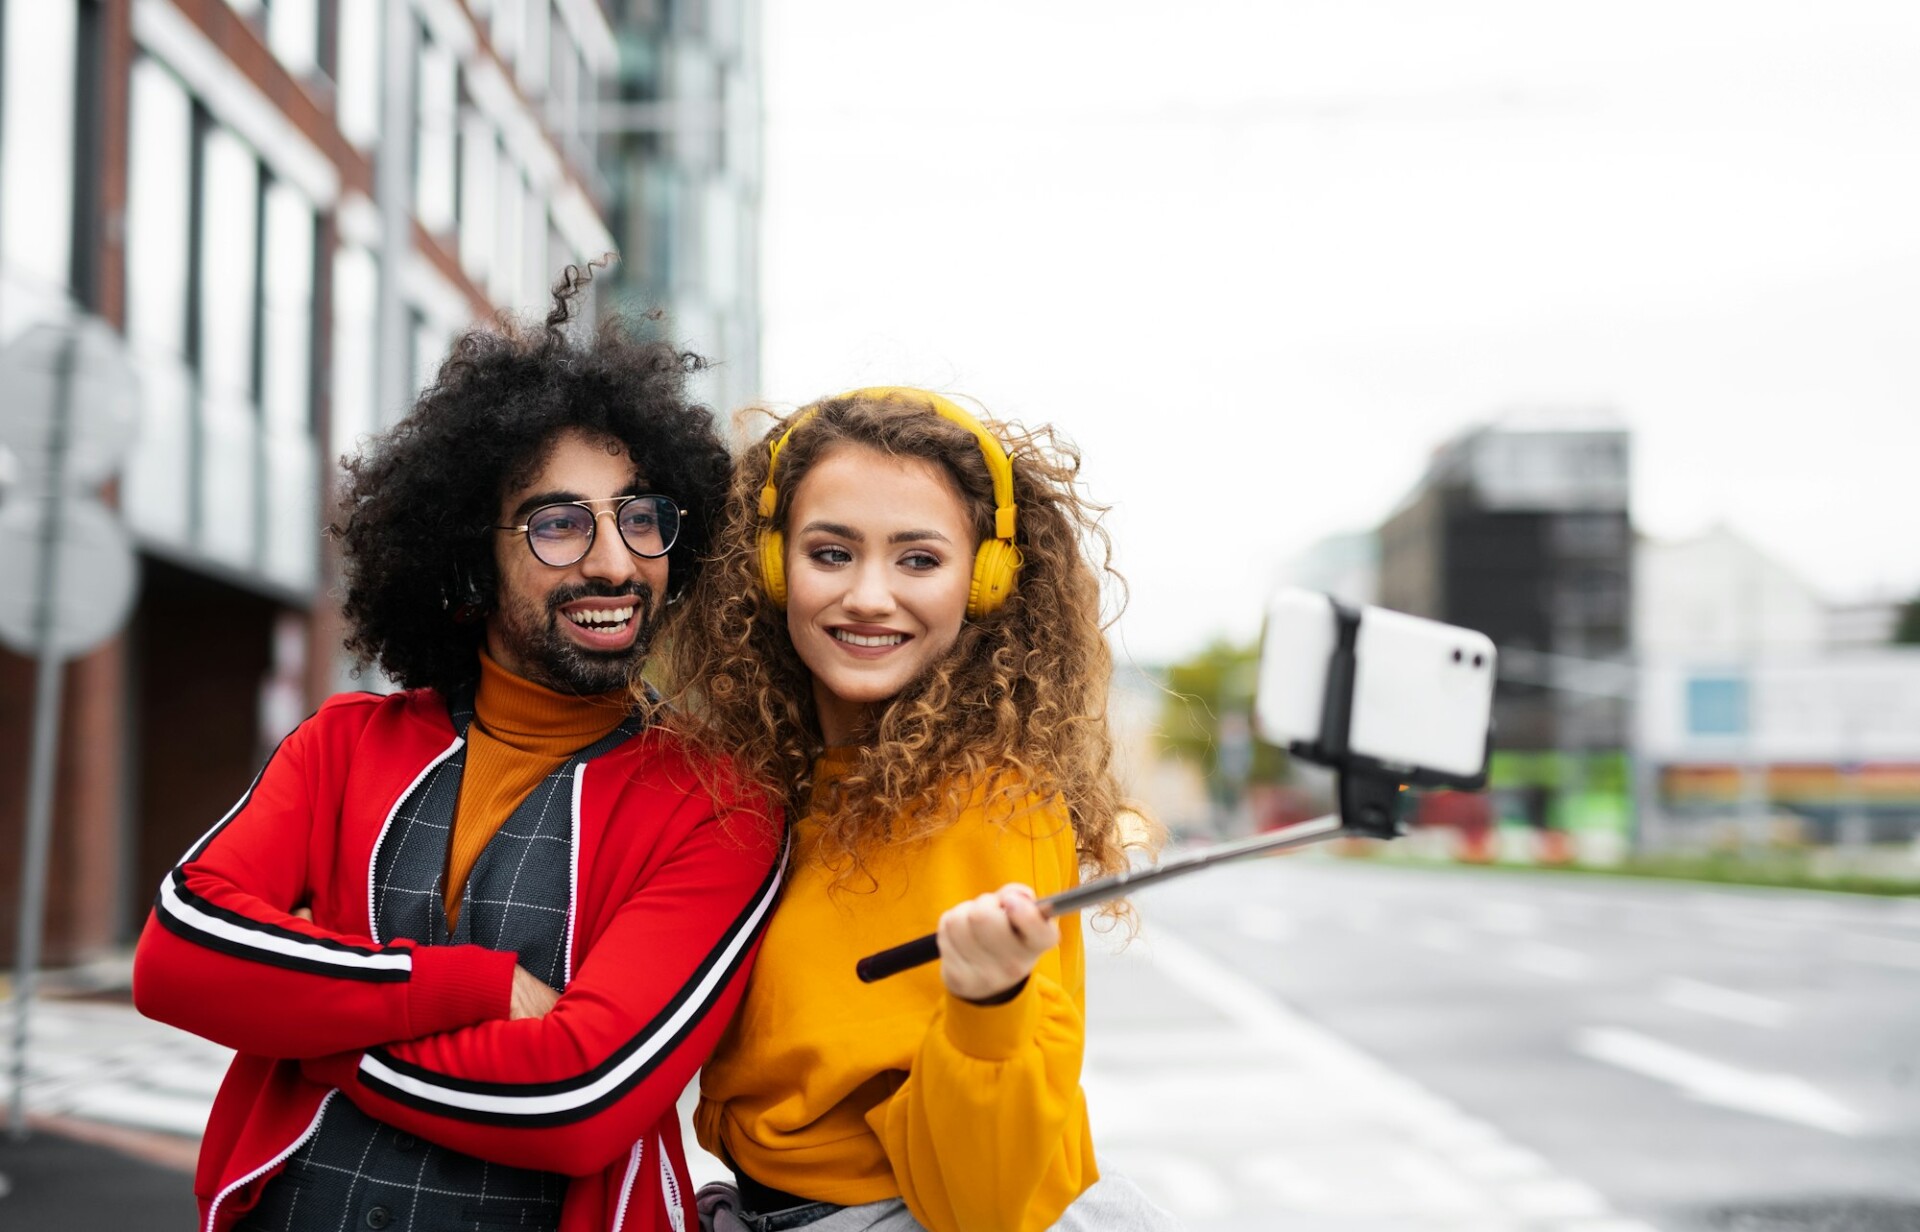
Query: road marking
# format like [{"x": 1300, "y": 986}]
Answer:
[
  {"x": 1440, "y": 935},
  {"x": 1195, "y": 1188},
  {"x": 1780, "y": 1096},
  {"x": 1728, "y": 1003},
  {"x": 1551, "y": 960},
  {"x": 1430, "y": 1165},
  {"x": 1882, "y": 951},
  {"x": 1508, "y": 919},
  {"x": 1263, "y": 923}
]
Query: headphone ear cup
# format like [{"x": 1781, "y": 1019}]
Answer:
[
  {"x": 995, "y": 566},
  {"x": 773, "y": 566}
]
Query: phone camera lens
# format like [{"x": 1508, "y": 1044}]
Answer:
[
  {"x": 1456, "y": 654},
  {"x": 1478, "y": 660}
]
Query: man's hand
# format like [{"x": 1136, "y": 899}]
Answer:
[
  {"x": 531, "y": 997},
  {"x": 990, "y": 944}
]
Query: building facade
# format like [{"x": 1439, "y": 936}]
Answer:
[
  {"x": 1521, "y": 530},
  {"x": 681, "y": 145},
  {"x": 1766, "y": 715},
  {"x": 288, "y": 208}
]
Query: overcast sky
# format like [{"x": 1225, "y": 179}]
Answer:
[{"x": 1259, "y": 258}]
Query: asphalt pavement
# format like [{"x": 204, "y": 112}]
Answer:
[
  {"x": 1706, "y": 1058},
  {"x": 1333, "y": 1045}
]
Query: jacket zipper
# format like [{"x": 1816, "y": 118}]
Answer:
[{"x": 213, "y": 1211}]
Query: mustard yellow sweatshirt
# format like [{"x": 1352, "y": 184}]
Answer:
[{"x": 846, "y": 1092}]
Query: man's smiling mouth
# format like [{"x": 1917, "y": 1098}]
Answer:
[{"x": 604, "y": 619}]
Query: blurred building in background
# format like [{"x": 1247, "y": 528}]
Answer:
[
  {"x": 681, "y": 135},
  {"x": 1766, "y": 715},
  {"x": 289, "y": 208},
  {"x": 1521, "y": 529}
]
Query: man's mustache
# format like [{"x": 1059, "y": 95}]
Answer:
[{"x": 639, "y": 591}]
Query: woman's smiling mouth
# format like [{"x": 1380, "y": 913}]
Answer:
[{"x": 867, "y": 641}]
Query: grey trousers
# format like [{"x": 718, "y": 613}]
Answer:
[{"x": 1111, "y": 1204}]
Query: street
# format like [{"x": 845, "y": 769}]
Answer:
[
  {"x": 1696, "y": 1057},
  {"x": 1321, "y": 1044}
]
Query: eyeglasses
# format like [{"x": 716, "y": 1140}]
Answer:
[{"x": 560, "y": 535}]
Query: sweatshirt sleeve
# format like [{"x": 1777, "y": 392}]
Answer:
[
  {"x": 572, "y": 1091},
  {"x": 989, "y": 1130},
  {"x": 222, "y": 957}
]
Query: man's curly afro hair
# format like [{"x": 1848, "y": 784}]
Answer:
[{"x": 417, "y": 502}]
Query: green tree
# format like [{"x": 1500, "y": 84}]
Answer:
[
  {"x": 1213, "y": 687},
  {"x": 1906, "y": 630}
]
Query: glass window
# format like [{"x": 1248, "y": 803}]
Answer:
[
  {"x": 721, "y": 231},
  {"x": 479, "y": 181},
  {"x": 357, "y": 102},
  {"x": 437, "y": 108},
  {"x": 356, "y": 308},
  {"x": 293, "y": 32},
  {"x": 509, "y": 255},
  {"x": 533, "y": 50},
  {"x": 36, "y": 157},
  {"x": 159, "y": 209},
  {"x": 509, "y": 22},
  {"x": 1716, "y": 706},
  {"x": 229, "y": 233},
  {"x": 286, "y": 379}
]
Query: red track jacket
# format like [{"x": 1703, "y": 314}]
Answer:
[{"x": 670, "y": 894}]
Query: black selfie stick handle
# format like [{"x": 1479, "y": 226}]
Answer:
[
  {"x": 925, "y": 949},
  {"x": 903, "y": 957}
]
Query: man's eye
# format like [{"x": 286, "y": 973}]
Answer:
[{"x": 558, "y": 524}]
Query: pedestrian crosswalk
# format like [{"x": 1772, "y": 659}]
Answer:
[
  {"x": 101, "y": 1061},
  {"x": 1221, "y": 1103},
  {"x": 1234, "y": 1112}
]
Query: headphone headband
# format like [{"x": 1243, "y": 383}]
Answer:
[
  {"x": 997, "y": 561},
  {"x": 999, "y": 466}
]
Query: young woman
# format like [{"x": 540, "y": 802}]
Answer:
[{"x": 901, "y": 636}]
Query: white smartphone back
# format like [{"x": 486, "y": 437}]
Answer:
[
  {"x": 1422, "y": 690},
  {"x": 1295, "y": 652},
  {"x": 1422, "y": 693}
]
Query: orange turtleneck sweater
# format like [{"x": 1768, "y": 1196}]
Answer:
[{"x": 521, "y": 733}]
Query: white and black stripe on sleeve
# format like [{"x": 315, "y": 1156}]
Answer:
[
  {"x": 575, "y": 1098},
  {"x": 194, "y": 918}
]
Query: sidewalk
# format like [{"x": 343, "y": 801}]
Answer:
[{"x": 1225, "y": 1106}]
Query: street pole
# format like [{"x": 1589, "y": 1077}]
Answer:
[{"x": 46, "y": 741}]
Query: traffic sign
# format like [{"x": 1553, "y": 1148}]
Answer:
[
  {"x": 102, "y": 402},
  {"x": 96, "y": 575}
]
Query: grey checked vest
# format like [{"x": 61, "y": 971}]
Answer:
[{"x": 356, "y": 1172}]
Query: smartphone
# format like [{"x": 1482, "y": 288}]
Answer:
[{"x": 1421, "y": 705}]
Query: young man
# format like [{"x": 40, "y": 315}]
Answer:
[{"x": 471, "y": 940}]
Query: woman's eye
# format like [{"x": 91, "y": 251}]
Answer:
[
  {"x": 831, "y": 556},
  {"x": 921, "y": 560}
]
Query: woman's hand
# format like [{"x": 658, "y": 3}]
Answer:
[{"x": 989, "y": 944}]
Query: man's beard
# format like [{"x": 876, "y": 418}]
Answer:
[{"x": 532, "y": 631}]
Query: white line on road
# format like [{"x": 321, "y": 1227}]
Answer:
[
  {"x": 1263, "y": 923},
  {"x": 1882, "y": 951},
  {"x": 1442, "y": 1164},
  {"x": 1440, "y": 935},
  {"x": 1555, "y": 961},
  {"x": 1728, "y": 1003},
  {"x": 1781, "y": 1096},
  {"x": 1508, "y": 919}
]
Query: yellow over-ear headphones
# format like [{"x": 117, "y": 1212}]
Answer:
[{"x": 997, "y": 562}]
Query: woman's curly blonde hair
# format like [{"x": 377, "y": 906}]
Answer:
[{"x": 1017, "y": 705}]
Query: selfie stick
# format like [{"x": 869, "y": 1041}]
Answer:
[
  {"x": 1368, "y": 795},
  {"x": 926, "y": 949}
]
